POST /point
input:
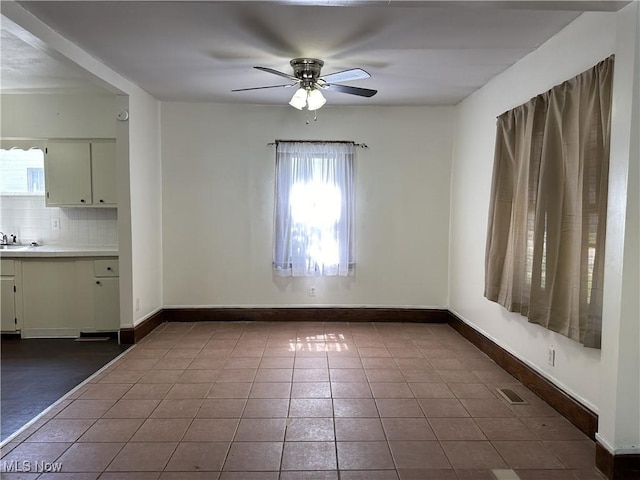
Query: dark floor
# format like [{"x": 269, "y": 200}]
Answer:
[{"x": 37, "y": 372}]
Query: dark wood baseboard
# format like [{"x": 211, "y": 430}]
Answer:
[
  {"x": 617, "y": 467},
  {"x": 323, "y": 314},
  {"x": 131, "y": 335},
  {"x": 578, "y": 414}
]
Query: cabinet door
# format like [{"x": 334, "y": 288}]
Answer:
[
  {"x": 106, "y": 304},
  {"x": 7, "y": 304},
  {"x": 103, "y": 172},
  {"x": 68, "y": 174}
]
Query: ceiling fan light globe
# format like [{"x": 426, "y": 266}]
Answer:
[
  {"x": 315, "y": 100},
  {"x": 299, "y": 99}
]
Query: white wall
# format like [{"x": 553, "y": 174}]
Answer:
[
  {"x": 586, "y": 41},
  {"x": 218, "y": 187},
  {"x": 607, "y": 380}
]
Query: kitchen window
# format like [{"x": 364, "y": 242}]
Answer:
[
  {"x": 314, "y": 209},
  {"x": 22, "y": 172}
]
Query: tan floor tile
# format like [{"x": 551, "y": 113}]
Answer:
[
  {"x": 344, "y": 362},
  {"x": 254, "y": 456},
  {"x": 311, "y": 390},
  {"x": 457, "y": 376},
  {"x": 398, "y": 407},
  {"x": 99, "y": 391},
  {"x": 198, "y": 456},
  {"x": 412, "y": 364},
  {"x": 364, "y": 456},
  {"x": 89, "y": 457},
  {"x": 311, "y": 362},
  {"x": 442, "y": 407},
  {"x": 309, "y": 475},
  {"x": 309, "y": 456},
  {"x": 112, "y": 430},
  {"x": 184, "y": 353},
  {"x": 555, "y": 428},
  {"x": 413, "y": 455},
  {"x": 486, "y": 407},
  {"x": 359, "y": 429},
  {"x": 61, "y": 430},
  {"x": 260, "y": 430},
  {"x": 369, "y": 475},
  {"x": 391, "y": 390},
  {"x": 172, "y": 363},
  {"x": 131, "y": 409},
  {"x": 199, "y": 376},
  {"x": 221, "y": 408},
  {"x": 373, "y": 362},
  {"x": 574, "y": 454},
  {"x": 350, "y": 390},
  {"x": 431, "y": 390},
  {"x": 471, "y": 390},
  {"x": 420, "y": 376},
  {"x": 162, "y": 430},
  {"x": 311, "y": 375},
  {"x": 527, "y": 455},
  {"x": 384, "y": 375},
  {"x": 242, "y": 363},
  {"x": 250, "y": 476},
  {"x": 311, "y": 407},
  {"x": 189, "y": 390},
  {"x": 146, "y": 391},
  {"x": 355, "y": 407},
  {"x": 456, "y": 429},
  {"x": 310, "y": 430},
  {"x": 86, "y": 409},
  {"x": 33, "y": 452},
  {"x": 237, "y": 375},
  {"x": 161, "y": 376},
  {"x": 143, "y": 457},
  {"x": 177, "y": 408},
  {"x": 274, "y": 375},
  {"x": 270, "y": 390},
  {"x": 123, "y": 376},
  {"x": 230, "y": 390},
  {"x": 276, "y": 362},
  {"x": 137, "y": 363},
  {"x": 504, "y": 429},
  {"x": 347, "y": 375},
  {"x": 211, "y": 430},
  {"x": 266, "y": 408},
  {"x": 407, "y": 429},
  {"x": 469, "y": 454}
]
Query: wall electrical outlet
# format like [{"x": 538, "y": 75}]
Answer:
[
  {"x": 312, "y": 291},
  {"x": 551, "y": 355},
  {"x": 55, "y": 224}
]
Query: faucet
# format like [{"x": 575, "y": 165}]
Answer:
[{"x": 5, "y": 240}]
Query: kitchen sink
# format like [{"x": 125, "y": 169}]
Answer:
[{"x": 13, "y": 247}]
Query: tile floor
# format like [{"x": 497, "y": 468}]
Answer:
[{"x": 301, "y": 401}]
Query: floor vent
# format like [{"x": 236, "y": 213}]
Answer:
[{"x": 512, "y": 397}]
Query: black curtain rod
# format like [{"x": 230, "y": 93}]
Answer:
[{"x": 361, "y": 145}]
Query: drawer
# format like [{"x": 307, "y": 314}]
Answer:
[
  {"x": 7, "y": 267},
  {"x": 105, "y": 267}
]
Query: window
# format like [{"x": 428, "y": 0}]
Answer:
[
  {"x": 22, "y": 172},
  {"x": 547, "y": 220},
  {"x": 314, "y": 209}
]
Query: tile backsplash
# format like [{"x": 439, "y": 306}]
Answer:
[{"x": 29, "y": 219}]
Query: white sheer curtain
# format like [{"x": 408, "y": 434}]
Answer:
[{"x": 314, "y": 209}]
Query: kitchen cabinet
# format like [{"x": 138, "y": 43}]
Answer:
[
  {"x": 106, "y": 296},
  {"x": 10, "y": 298},
  {"x": 80, "y": 174},
  {"x": 65, "y": 297}
]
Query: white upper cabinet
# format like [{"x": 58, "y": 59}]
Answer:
[
  {"x": 80, "y": 174},
  {"x": 103, "y": 178}
]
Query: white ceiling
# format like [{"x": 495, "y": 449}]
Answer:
[{"x": 418, "y": 53}]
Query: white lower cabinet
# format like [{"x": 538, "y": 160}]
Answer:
[
  {"x": 65, "y": 297},
  {"x": 106, "y": 296},
  {"x": 10, "y": 296}
]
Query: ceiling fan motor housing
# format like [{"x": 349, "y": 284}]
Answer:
[{"x": 307, "y": 70}]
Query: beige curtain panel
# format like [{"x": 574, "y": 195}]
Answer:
[{"x": 546, "y": 234}]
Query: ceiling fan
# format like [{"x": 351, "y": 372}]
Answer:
[{"x": 306, "y": 74}]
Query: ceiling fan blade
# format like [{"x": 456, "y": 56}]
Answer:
[
  {"x": 261, "y": 88},
  {"x": 346, "y": 75},
  {"x": 362, "y": 92},
  {"x": 276, "y": 72}
]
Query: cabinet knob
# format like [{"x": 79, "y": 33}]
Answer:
[
  {"x": 101, "y": 201},
  {"x": 109, "y": 268},
  {"x": 97, "y": 283},
  {"x": 82, "y": 200}
]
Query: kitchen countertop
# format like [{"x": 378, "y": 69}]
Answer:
[{"x": 59, "y": 251}]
